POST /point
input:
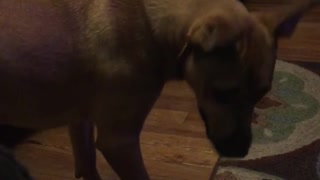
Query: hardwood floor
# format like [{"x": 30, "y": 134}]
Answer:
[
  {"x": 173, "y": 143},
  {"x": 304, "y": 45},
  {"x": 173, "y": 140}
]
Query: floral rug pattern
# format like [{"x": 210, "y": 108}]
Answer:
[{"x": 286, "y": 130}]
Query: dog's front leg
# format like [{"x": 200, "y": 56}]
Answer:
[
  {"x": 118, "y": 134},
  {"x": 82, "y": 138},
  {"x": 124, "y": 156}
]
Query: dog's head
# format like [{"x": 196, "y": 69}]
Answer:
[{"x": 230, "y": 68}]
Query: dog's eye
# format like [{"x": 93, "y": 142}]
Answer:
[
  {"x": 225, "y": 96},
  {"x": 224, "y": 53}
]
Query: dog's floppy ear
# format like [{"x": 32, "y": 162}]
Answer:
[
  {"x": 283, "y": 22},
  {"x": 218, "y": 29}
]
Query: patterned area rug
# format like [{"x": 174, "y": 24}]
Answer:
[{"x": 286, "y": 131}]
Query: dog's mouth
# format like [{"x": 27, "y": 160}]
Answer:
[{"x": 235, "y": 146}]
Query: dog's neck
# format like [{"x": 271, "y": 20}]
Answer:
[{"x": 170, "y": 21}]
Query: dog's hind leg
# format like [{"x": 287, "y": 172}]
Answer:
[{"x": 84, "y": 152}]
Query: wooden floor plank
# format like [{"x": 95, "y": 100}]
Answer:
[{"x": 166, "y": 156}]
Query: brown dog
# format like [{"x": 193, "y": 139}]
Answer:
[{"x": 104, "y": 62}]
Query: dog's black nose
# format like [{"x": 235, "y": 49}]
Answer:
[
  {"x": 236, "y": 146},
  {"x": 229, "y": 150}
]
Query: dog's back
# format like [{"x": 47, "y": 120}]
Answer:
[{"x": 53, "y": 52}]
